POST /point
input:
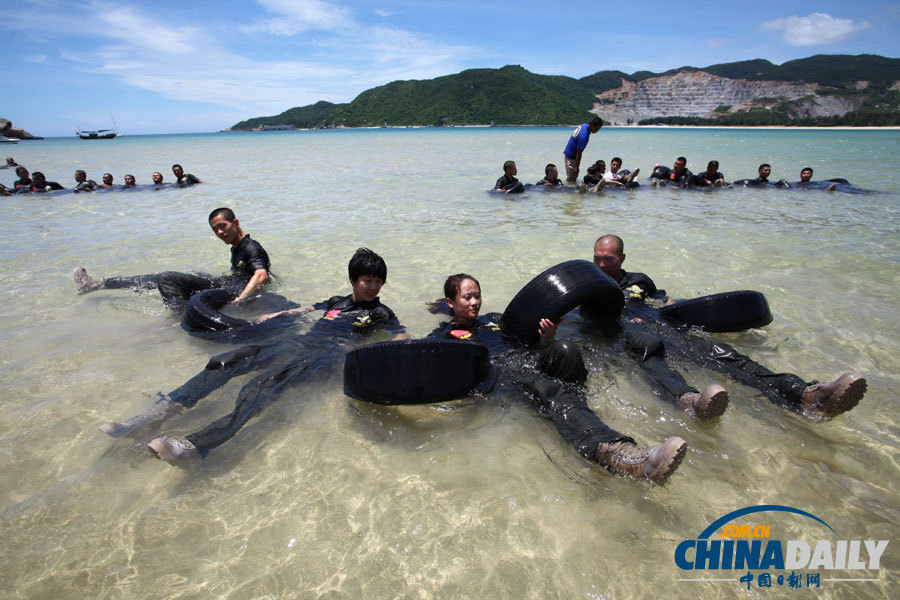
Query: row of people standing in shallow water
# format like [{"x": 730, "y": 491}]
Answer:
[
  {"x": 554, "y": 381},
  {"x": 598, "y": 178},
  {"x": 37, "y": 182}
]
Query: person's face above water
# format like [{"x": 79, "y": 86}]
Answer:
[
  {"x": 39, "y": 180},
  {"x": 608, "y": 259},
  {"x": 614, "y": 166},
  {"x": 157, "y": 178},
  {"x": 552, "y": 173},
  {"x": 129, "y": 180},
  {"x": 178, "y": 171},
  {"x": 107, "y": 179},
  {"x": 679, "y": 165},
  {"x": 227, "y": 231},
  {"x": 467, "y": 303},
  {"x": 806, "y": 175},
  {"x": 80, "y": 176},
  {"x": 366, "y": 288},
  {"x": 765, "y": 171}
]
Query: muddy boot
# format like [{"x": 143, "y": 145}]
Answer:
[
  {"x": 655, "y": 464},
  {"x": 712, "y": 402},
  {"x": 825, "y": 400},
  {"x": 159, "y": 412},
  {"x": 174, "y": 451}
]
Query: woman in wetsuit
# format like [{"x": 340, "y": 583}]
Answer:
[{"x": 558, "y": 388}]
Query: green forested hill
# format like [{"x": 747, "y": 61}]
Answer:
[{"x": 513, "y": 96}]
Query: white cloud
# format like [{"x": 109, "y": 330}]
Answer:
[
  {"x": 296, "y": 16},
  {"x": 40, "y": 59},
  {"x": 381, "y": 12},
  {"x": 817, "y": 29}
]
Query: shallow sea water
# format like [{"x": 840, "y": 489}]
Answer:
[{"x": 322, "y": 496}]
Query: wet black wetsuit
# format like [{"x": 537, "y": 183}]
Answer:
[
  {"x": 187, "y": 179},
  {"x": 683, "y": 179},
  {"x": 288, "y": 362},
  {"x": 506, "y": 183},
  {"x": 177, "y": 288},
  {"x": 48, "y": 186},
  {"x": 549, "y": 182},
  {"x": 22, "y": 184},
  {"x": 705, "y": 179},
  {"x": 563, "y": 401},
  {"x": 644, "y": 333}
]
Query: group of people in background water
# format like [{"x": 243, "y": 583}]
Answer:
[
  {"x": 598, "y": 178},
  {"x": 37, "y": 182},
  {"x": 551, "y": 377}
]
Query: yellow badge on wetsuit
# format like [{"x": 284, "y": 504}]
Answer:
[
  {"x": 363, "y": 321},
  {"x": 461, "y": 334},
  {"x": 492, "y": 325},
  {"x": 634, "y": 291}
]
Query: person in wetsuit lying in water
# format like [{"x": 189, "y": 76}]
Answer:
[
  {"x": 811, "y": 399},
  {"x": 249, "y": 269},
  {"x": 288, "y": 362},
  {"x": 558, "y": 387}
]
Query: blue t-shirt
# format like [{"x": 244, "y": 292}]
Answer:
[{"x": 578, "y": 141}]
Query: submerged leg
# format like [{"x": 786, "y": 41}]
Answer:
[
  {"x": 219, "y": 370},
  {"x": 649, "y": 351}
]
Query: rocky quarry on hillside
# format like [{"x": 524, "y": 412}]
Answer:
[{"x": 702, "y": 94}]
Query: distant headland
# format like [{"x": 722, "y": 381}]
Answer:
[{"x": 819, "y": 91}]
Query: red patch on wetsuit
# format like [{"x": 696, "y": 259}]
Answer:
[
  {"x": 461, "y": 334},
  {"x": 332, "y": 314}
]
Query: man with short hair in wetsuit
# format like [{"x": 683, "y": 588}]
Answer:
[
  {"x": 678, "y": 174},
  {"x": 508, "y": 182},
  {"x": 182, "y": 179},
  {"x": 82, "y": 183},
  {"x": 130, "y": 181},
  {"x": 812, "y": 399},
  {"x": 157, "y": 179},
  {"x": 107, "y": 180},
  {"x": 711, "y": 176},
  {"x": 40, "y": 184},
  {"x": 249, "y": 269},
  {"x": 288, "y": 362},
  {"x": 551, "y": 176},
  {"x": 578, "y": 141}
]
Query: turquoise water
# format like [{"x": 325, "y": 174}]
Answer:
[{"x": 323, "y": 496}]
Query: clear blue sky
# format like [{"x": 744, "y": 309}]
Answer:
[{"x": 167, "y": 67}]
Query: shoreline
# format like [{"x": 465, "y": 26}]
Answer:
[{"x": 486, "y": 126}]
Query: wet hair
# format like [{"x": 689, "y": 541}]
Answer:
[
  {"x": 619, "y": 243},
  {"x": 508, "y": 165},
  {"x": 80, "y": 171},
  {"x": 454, "y": 282},
  {"x": 596, "y": 122},
  {"x": 682, "y": 159},
  {"x": 713, "y": 163},
  {"x": 129, "y": 175},
  {"x": 225, "y": 213},
  {"x": 764, "y": 165},
  {"x": 806, "y": 169},
  {"x": 614, "y": 159},
  {"x": 548, "y": 167},
  {"x": 366, "y": 262},
  {"x": 177, "y": 165},
  {"x": 37, "y": 174},
  {"x": 20, "y": 169}
]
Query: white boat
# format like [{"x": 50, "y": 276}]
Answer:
[{"x": 6, "y": 140}]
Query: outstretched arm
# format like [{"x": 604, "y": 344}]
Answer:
[{"x": 260, "y": 276}]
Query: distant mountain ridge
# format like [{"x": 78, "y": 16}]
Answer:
[{"x": 819, "y": 90}]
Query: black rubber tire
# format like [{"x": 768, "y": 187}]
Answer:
[
  {"x": 415, "y": 371},
  {"x": 202, "y": 312},
  {"x": 729, "y": 311},
  {"x": 558, "y": 290}
]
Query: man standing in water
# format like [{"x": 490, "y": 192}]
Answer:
[
  {"x": 249, "y": 269},
  {"x": 575, "y": 147}
]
